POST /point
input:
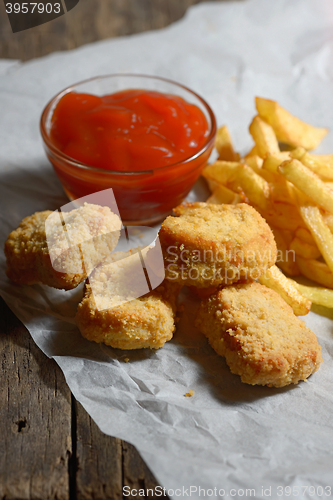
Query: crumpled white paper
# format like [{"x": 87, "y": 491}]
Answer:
[{"x": 228, "y": 436}]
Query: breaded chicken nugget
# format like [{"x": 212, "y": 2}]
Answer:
[
  {"x": 209, "y": 245},
  {"x": 259, "y": 335},
  {"x": 61, "y": 249},
  {"x": 108, "y": 312}
]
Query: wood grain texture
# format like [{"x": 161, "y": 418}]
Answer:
[
  {"x": 89, "y": 21},
  {"x": 50, "y": 448},
  {"x": 104, "y": 465},
  {"x": 136, "y": 474},
  {"x": 98, "y": 460},
  {"x": 35, "y": 418}
]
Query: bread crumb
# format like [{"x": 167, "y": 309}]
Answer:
[
  {"x": 259, "y": 335},
  {"x": 189, "y": 394}
]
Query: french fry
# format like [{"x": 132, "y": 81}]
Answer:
[
  {"x": 317, "y": 295},
  {"x": 292, "y": 190},
  {"x": 289, "y": 129},
  {"x": 264, "y": 137},
  {"x": 308, "y": 182},
  {"x": 252, "y": 152},
  {"x": 320, "y": 232},
  {"x": 273, "y": 161},
  {"x": 314, "y": 163},
  {"x": 269, "y": 176},
  {"x": 305, "y": 249},
  {"x": 239, "y": 178},
  {"x": 299, "y": 198},
  {"x": 287, "y": 235},
  {"x": 283, "y": 216},
  {"x": 276, "y": 280},
  {"x": 318, "y": 167},
  {"x": 223, "y": 195},
  {"x": 316, "y": 271},
  {"x": 224, "y": 145},
  {"x": 255, "y": 162},
  {"x": 297, "y": 153},
  {"x": 326, "y": 158},
  {"x": 305, "y": 236},
  {"x": 281, "y": 190},
  {"x": 212, "y": 184},
  {"x": 285, "y": 257},
  {"x": 255, "y": 188},
  {"x": 222, "y": 171},
  {"x": 328, "y": 218}
]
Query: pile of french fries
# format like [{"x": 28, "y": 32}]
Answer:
[{"x": 292, "y": 189}]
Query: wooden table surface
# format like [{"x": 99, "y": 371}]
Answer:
[{"x": 50, "y": 448}]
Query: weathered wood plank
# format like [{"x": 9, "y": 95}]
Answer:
[
  {"x": 136, "y": 474},
  {"x": 99, "y": 460},
  {"x": 105, "y": 464},
  {"x": 89, "y": 21},
  {"x": 35, "y": 418}
]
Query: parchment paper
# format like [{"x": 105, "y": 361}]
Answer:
[{"x": 228, "y": 435}]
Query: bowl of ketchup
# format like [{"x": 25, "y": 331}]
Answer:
[{"x": 147, "y": 138}]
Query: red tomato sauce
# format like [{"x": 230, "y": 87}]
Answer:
[
  {"x": 131, "y": 130},
  {"x": 126, "y": 139}
]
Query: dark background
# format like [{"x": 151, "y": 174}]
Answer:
[{"x": 89, "y": 21}]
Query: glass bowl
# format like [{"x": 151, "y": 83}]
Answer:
[{"x": 143, "y": 197}]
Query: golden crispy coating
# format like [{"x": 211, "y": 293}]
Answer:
[
  {"x": 61, "y": 249},
  {"x": 209, "y": 245},
  {"x": 148, "y": 321},
  {"x": 259, "y": 335}
]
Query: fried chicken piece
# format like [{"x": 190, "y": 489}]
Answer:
[
  {"x": 209, "y": 245},
  {"x": 259, "y": 335},
  {"x": 118, "y": 308},
  {"x": 61, "y": 249}
]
